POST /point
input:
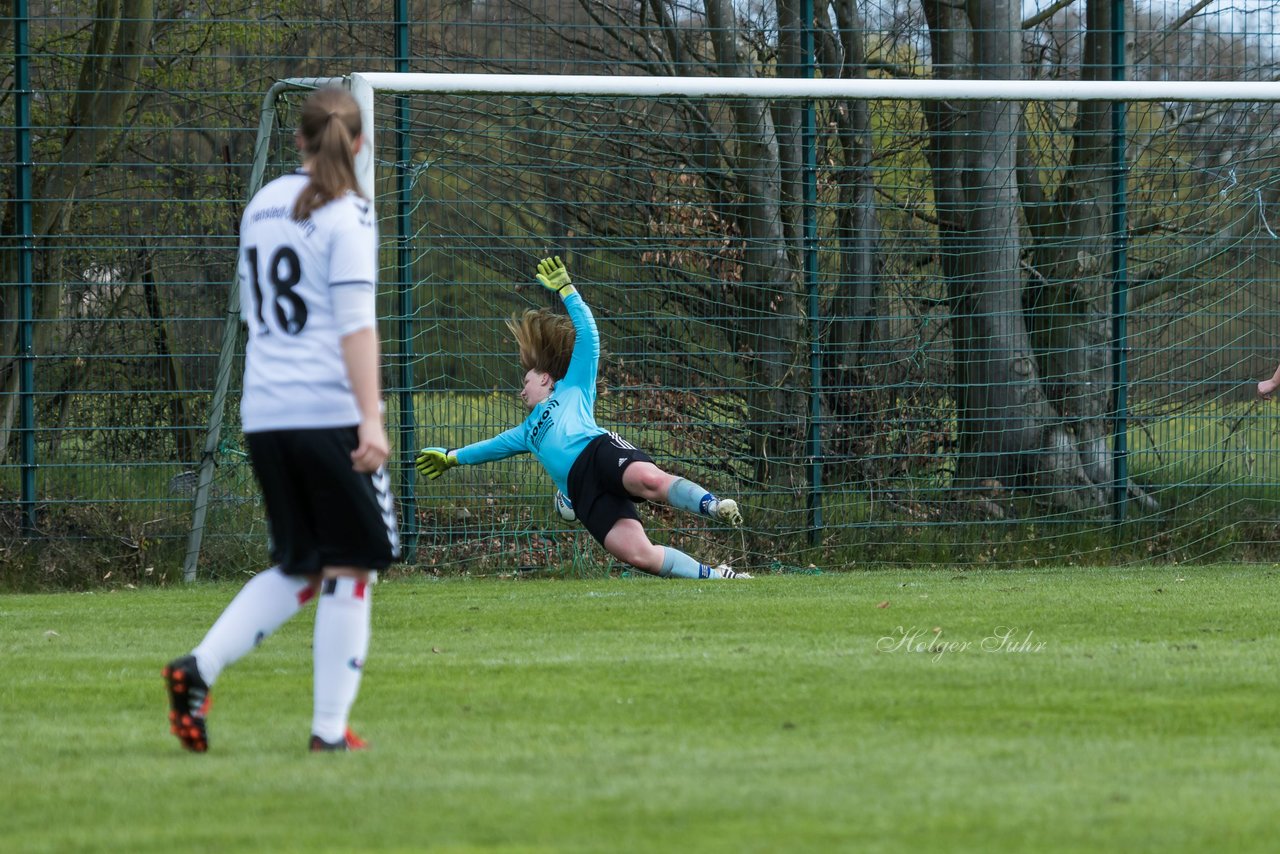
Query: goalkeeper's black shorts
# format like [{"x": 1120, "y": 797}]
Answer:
[
  {"x": 320, "y": 511},
  {"x": 595, "y": 484}
]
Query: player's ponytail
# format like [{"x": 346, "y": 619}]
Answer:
[
  {"x": 545, "y": 340},
  {"x": 327, "y": 131}
]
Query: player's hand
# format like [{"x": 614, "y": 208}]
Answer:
[
  {"x": 433, "y": 462},
  {"x": 1266, "y": 387},
  {"x": 554, "y": 276},
  {"x": 372, "y": 447}
]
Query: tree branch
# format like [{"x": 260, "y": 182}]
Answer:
[
  {"x": 1178, "y": 24},
  {"x": 1040, "y": 17}
]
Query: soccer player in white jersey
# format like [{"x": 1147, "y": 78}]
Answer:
[
  {"x": 313, "y": 422},
  {"x": 601, "y": 473}
]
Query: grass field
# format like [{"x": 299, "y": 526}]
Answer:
[{"x": 1126, "y": 710}]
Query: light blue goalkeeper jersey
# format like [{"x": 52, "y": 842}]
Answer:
[{"x": 558, "y": 429}]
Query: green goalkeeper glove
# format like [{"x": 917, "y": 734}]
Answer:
[
  {"x": 433, "y": 462},
  {"x": 554, "y": 276}
]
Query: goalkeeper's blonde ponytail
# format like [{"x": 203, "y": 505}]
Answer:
[
  {"x": 545, "y": 340},
  {"x": 328, "y": 129}
]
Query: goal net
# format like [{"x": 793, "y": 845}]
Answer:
[{"x": 960, "y": 322}]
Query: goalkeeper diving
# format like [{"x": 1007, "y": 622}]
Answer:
[{"x": 602, "y": 475}]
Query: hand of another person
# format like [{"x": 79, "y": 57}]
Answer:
[{"x": 372, "y": 448}]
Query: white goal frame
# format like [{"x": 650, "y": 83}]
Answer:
[{"x": 366, "y": 86}]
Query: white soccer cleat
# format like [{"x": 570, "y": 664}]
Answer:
[
  {"x": 727, "y": 572},
  {"x": 727, "y": 511}
]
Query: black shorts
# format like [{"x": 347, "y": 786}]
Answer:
[
  {"x": 595, "y": 484},
  {"x": 320, "y": 511}
]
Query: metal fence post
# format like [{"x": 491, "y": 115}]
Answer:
[
  {"x": 808, "y": 141},
  {"x": 404, "y": 264},
  {"x": 1120, "y": 276},
  {"x": 22, "y": 168}
]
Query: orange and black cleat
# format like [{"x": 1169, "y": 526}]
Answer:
[
  {"x": 188, "y": 703},
  {"x": 350, "y": 741}
]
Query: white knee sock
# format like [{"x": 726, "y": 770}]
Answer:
[
  {"x": 341, "y": 643},
  {"x": 263, "y": 605}
]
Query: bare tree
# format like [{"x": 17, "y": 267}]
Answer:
[
  {"x": 107, "y": 82},
  {"x": 766, "y": 292},
  {"x": 1068, "y": 298},
  {"x": 853, "y": 325},
  {"x": 1007, "y": 435}
]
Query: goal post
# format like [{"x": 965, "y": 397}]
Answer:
[
  {"x": 825, "y": 336},
  {"x": 231, "y": 325}
]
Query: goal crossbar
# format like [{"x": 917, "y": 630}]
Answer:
[
  {"x": 798, "y": 87},
  {"x": 364, "y": 85}
]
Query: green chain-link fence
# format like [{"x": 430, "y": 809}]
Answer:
[{"x": 898, "y": 395}]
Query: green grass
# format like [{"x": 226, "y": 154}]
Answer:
[{"x": 640, "y": 715}]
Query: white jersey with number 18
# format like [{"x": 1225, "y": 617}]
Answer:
[{"x": 294, "y": 374}]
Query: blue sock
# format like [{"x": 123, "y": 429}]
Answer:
[
  {"x": 677, "y": 564},
  {"x": 688, "y": 496}
]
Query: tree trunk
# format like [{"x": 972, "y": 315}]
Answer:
[
  {"x": 1007, "y": 431},
  {"x": 855, "y": 325},
  {"x": 854, "y": 329},
  {"x": 108, "y": 76},
  {"x": 1068, "y": 302},
  {"x": 787, "y": 119},
  {"x": 185, "y": 433},
  {"x": 1000, "y": 399},
  {"x": 766, "y": 295}
]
